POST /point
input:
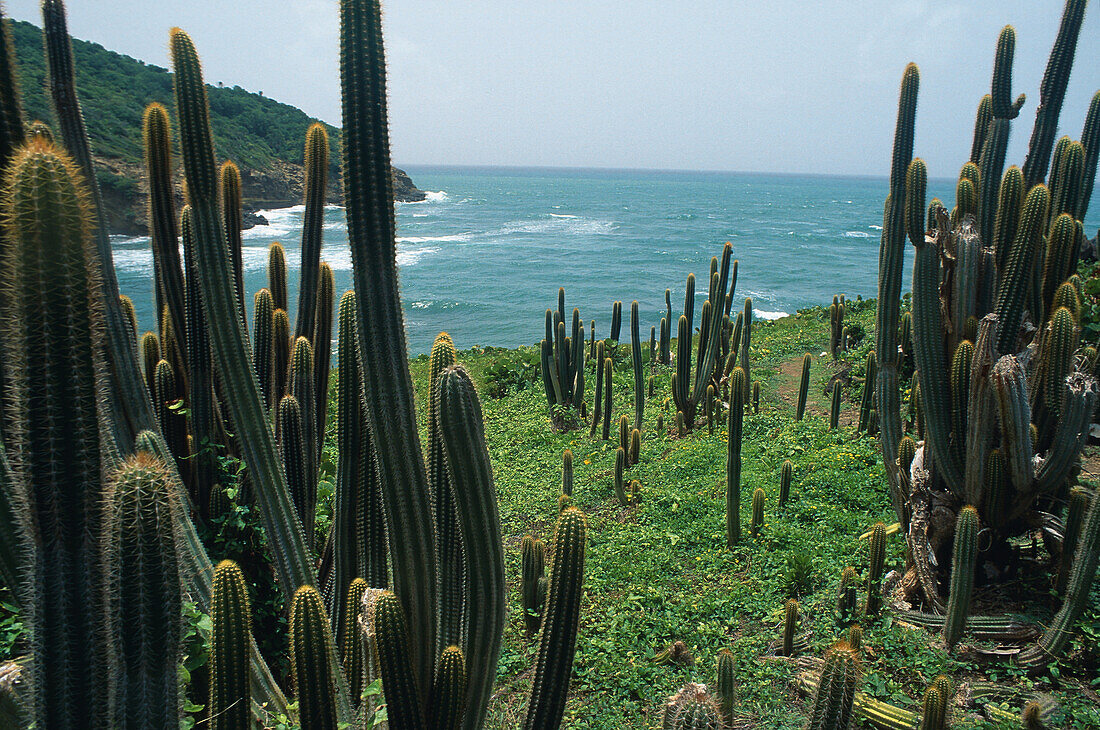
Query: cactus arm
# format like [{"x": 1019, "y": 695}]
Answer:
[
  {"x": 560, "y": 621},
  {"x": 992, "y": 159},
  {"x": 1090, "y": 140},
  {"x": 448, "y": 703},
  {"x": 1079, "y": 398},
  {"x": 348, "y": 474},
  {"x": 316, "y": 174},
  {"x": 11, "y": 107},
  {"x": 387, "y": 384},
  {"x": 231, "y": 632},
  {"x": 963, "y": 564},
  {"x": 1052, "y": 92},
  {"x": 403, "y": 701},
  {"x": 311, "y": 646},
  {"x": 639, "y": 373},
  {"x": 733, "y": 458},
  {"x": 1010, "y": 389},
  {"x": 129, "y": 405},
  {"x": 461, "y": 427},
  {"x": 229, "y": 177},
  {"x": 981, "y": 127}
]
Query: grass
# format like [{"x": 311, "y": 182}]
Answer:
[{"x": 659, "y": 572}]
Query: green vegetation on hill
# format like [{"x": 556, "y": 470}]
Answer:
[{"x": 250, "y": 129}]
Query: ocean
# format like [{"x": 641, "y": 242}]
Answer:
[{"x": 482, "y": 258}]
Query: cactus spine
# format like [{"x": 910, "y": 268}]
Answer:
[
  {"x": 803, "y": 387},
  {"x": 874, "y": 573},
  {"x": 231, "y": 614}
]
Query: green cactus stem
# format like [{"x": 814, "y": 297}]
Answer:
[
  {"x": 981, "y": 127},
  {"x": 636, "y": 359},
  {"x": 11, "y": 111},
  {"x": 607, "y": 398},
  {"x": 866, "y": 402},
  {"x": 263, "y": 352},
  {"x": 597, "y": 402},
  {"x": 725, "y": 689},
  {"x": 847, "y": 598},
  {"x": 316, "y": 182},
  {"x": 276, "y": 275},
  {"x": 560, "y": 622},
  {"x": 635, "y": 451},
  {"x": 1079, "y": 501},
  {"x": 280, "y": 353},
  {"x": 620, "y": 465},
  {"x": 803, "y": 387},
  {"x": 533, "y": 583},
  {"x": 934, "y": 709},
  {"x": 1090, "y": 140},
  {"x": 310, "y": 646},
  {"x": 403, "y": 701},
  {"x": 874, "y": 572},
  {"x": 448, "y": 700},
  {"x": 50, "y": 258},
  {"x": 785, "y": 472},
  {"x": 321, "y": 339},
  {"x": 790, "y": 627},
  {"x": 733, "y": 457},
  {"x": 231, "y": 614},
  {"x": 834, "y": 410},
  {"x": 351, "y": 644},
  {"x": 963, "y": 565},
  {"x": 757, "y": 523},
  {"x": 229, "y": 179},
  {"x": 837, "y": 689},
  {"x": 756, "y": 397},
  {"x": 1052, "y": 91},
  {"x": 293, "y": 451},
  {"x": 150, "y": 356},
  {"x": 144, "y": 593}
]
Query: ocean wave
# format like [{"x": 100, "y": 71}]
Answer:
[
  {"x": 764, "y": 314},
  {"x": 556, "y": 225},
  {"x": 563, "y": 215},
  {"x": 434, "y": 239},
  {"x": 856, "y": 234},
  {"x": 874, "y": 227}
]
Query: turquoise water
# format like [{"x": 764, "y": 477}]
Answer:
[{"x": 484, "y": 256}]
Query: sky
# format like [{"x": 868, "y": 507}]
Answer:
[{"x": 781, "y": 86}]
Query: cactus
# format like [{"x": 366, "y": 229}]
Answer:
[
  {"x": 725, "y": 689},
  {"x": 624, "y": 438},
  {"x": 733, "y": 458},
  {"x": 144, "y": 593},
  {"x": 606, "y": 398},
  {"x": 855, "y": 636},
  {"x": 567, "y": 473},
  {"x": 281, "y": 345},
  {"x": 167, "y": 269},
  {"x": 866, "y": 402},
  {"x": 1052, "y": 91},
  {"x": 301, "y": 385},
  {"x": 934, "y": 709},
  {"x": 1056, "y": 362},
  {"x": 231, "y": 614},
  {"x": 1057, "y": 635},
  {"x": 1066, "y": 178},
  {"x": 635, "y": 451},
  {"x": 620, "y": 465},
  {"x": 1090, "y": 140},
  {"x": 560, "y": 621},
  {"x": 1079, "y": 500},
  {"x": 49, "y": 257},
  {"x": 891, "y": 255},
  {"x": 963, "y": 566},
  {"x": 837, "y": 689},
  {"x": 229, "y": 179},
  {"x": 757, "y": 512},
  {"x": 321, "y": 339},
  {"x": 790, "y": 626},
  {"x": 597, "y": 401},
  {"x": 351, "y": 644},
  {"x": 834, "y": 410},
  {"x": 803, "y": 387},
  {"x": 310, "y": 646},
  {"x": 562, "y": 363},
  {"x": 533, "y": 585},
  {"x": 1010, "y": 200},
  {"x": 11, "y": 112},
  {"x": 150, "y": 356},
  {"x": 1003, "y": 111},
  {"x": 616, "y": 321},
  {"x": 448, "y": 703},
  {"x": 636, "y": 359},
  {"x": 981, "y": 127},
  {"x": 709, "y": 406},
  {"x": 846, "y": 598},
  {"x": 403, "y": 701},
  {"x": 692, "y": 708},
  {"x": 263, "y": 351},
  {"x": 874, "y": 573},
  {"x": 289, "y": 428},
  {"x": 1066, "y": 295},
  {"x": 316, "y": 181},
  {"x": 785, "y": 472},
  {"x": 756, "y": 397},
  {"x": 276, "y": 275}
]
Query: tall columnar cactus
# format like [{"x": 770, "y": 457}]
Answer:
[
  {"x": 1090, "y": 139},
  {"x": 352, "y": 654},
  {"x": 140, "y": 549},
  {"x": 757, "y": 523},
  {"x": 229, "y": 184},
  {"x": 934, "y": 709},
  {"x": 616, "y": 320},
  {"x": 1003, "y": 110},
  {"x": 302, "y": 386},
  {"x": 562, "y": 362},
  {"x": 276, "y": 275},
  {"x": 321, "y": 340},
  {"x": 50, "y": 259},
  {"x": 1060, "y": 259},
  {"x": 228, "y": 343},
  {"x": 311, "y": 645},
  {"x": 756, "y": 397},
  {"x": 404, "y": 702},
  {"x": 1052, "y": 91},
  {"x": 280, "y": 353},
  {"x": 725, "y": 688},
  {"x": 452, "y": 564},
  {"x": 733, "y": 457},
  {"x": 567, "y": 473},
  {"x": 173, "y": 424},
  {"x": 866, "y": 402},
  {"x": 620, "y": 465},
  {"x": 837, "y": 689},
  {"x": 790, "y": 627},
  {"x": 150, "y": 356},
  {"x": 533, "y": 583},
  {"x": 167, "y": 268},
  {"x": 231, "y": 614},
  {"x": 785, "y": 472},
  {"x": 11, "y": 107},
  {"x": 607, "y": 398},
  {"x": 963, "y": 566},
  {"x": 981, "y": 127},
  {"x": 803, "y": 387},
  {"x": 293, "y": 449},
  {"x": 874, "y": 572},
  {"x": 560, "y": 621},
  {"x": 636, "y": 359},
  {"x": 597, "y": 401},
  {"x": 263, "y": 351},
  {"x": 846, "y": 598},
  {"x": 448, "y": 704},
  {"x": 316, "y": 182},
  {"x": 688, "y": 390},
  {"x": 891, "y": 255},
  {"x": 1079, "y": 501}
]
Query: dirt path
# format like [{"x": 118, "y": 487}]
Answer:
[{"x": 818, "y": 402}]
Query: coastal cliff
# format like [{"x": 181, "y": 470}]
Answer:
[{"x": 263, "y": 137}]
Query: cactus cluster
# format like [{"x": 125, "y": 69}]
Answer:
[
  {"x": 1002, "y": 394},
  {"x": 562, "y": 363}
]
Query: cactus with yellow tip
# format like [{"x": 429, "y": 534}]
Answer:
[{"x": 230, "y": 633}]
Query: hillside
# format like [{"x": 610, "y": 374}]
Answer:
[{"x": 263, "y": 136}]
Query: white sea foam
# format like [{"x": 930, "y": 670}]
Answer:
[
  {"x": 563, "y": 215},
  {"x": 437, "y": 196},
  {"x": 557, "y": 225},
  {"x": 856, "y": 234},
  {"x": 874, "y": 227},
  {"x": 764, "y": 314},
  {"x": 434, "y": 239}
]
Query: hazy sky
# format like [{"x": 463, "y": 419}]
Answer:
[{"x": 785, "y": 86}]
